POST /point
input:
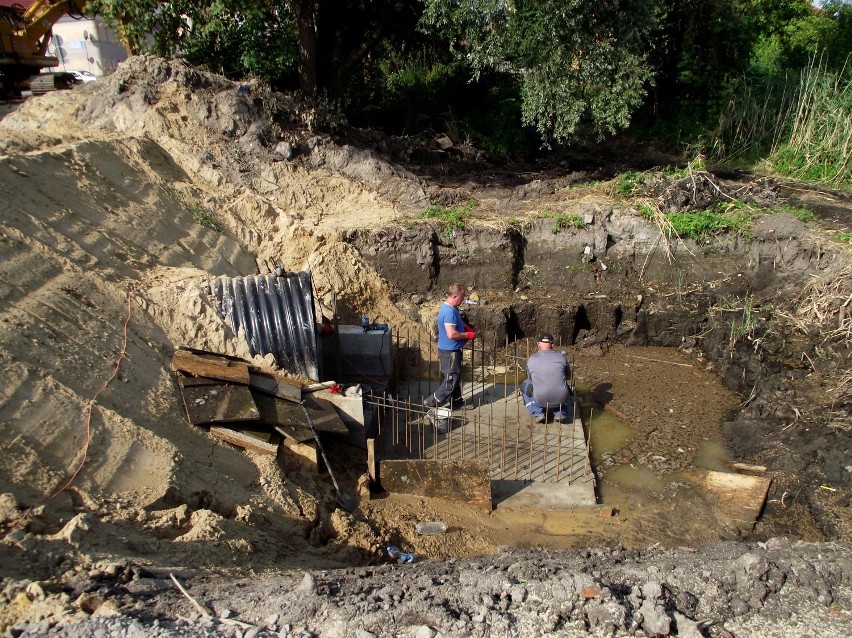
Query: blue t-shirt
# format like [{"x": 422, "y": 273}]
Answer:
[{"x": 448, "y": 314}]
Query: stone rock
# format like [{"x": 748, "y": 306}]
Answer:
[
  {"x": 425, "y": 631},
  {"x": 655, "y": 620},
  {"x": 8, "y": 508},
  {"x": 685, "y": 627},
  {"x": 309, "y": 583}
]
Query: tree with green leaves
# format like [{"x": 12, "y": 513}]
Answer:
[
  {"x": 582, "y": 66},
  {"x": 317, "y": 44}
]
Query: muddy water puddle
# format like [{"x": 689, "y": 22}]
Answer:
[
  {"x": 645, "y": 460},
  {"x": 648, "y": 460}
]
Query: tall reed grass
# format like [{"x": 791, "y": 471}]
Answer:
[{"x": 800, "y": 126}]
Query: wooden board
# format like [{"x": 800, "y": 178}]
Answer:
[
  {"x": 217, "y": 403},
  {"x": 462, "y": 481},
  {"x": 289, "y": 419},
  {"x": 211, "y": 366},
  {"x": 740, "y": 497},
  {"x": 275, "y": 385},
  {"x": 244, "y": 441},
  {"x": 304, "y": 450}
]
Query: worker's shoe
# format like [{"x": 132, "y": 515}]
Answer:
[
  {"x": 459, "y": 404},
  {"x": 541, "y": 418}
]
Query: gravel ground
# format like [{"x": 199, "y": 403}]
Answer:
[{"x": 778, "y": 588}]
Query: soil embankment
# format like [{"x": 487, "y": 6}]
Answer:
[{"x": 122, "y": 198}]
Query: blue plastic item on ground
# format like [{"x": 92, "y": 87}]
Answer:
[{"x": 403, "y": 557}]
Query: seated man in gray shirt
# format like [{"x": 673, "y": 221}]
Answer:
[{"x": 546, "y": 389}]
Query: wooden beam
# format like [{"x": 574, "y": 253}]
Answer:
[
  {"x": 462, "y": 481},
  {"x": 211, "y": 366},
  {"x": 372, "y": 466},
  {"x": 740, "y": 497},
  {"x": 303, "y": 450},
  {"x": 244, "y": 441}
]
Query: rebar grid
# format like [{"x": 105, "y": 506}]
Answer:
[{"x": 494, "y": 427}]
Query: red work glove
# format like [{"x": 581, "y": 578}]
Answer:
[{"x": 470, "y": 334}]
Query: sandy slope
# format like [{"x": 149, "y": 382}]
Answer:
[{"x": 119, "y": 200}]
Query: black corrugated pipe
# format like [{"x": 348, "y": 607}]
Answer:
[{"x": 276, "y": 316}]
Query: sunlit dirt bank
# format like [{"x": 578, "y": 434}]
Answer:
[{"x": 122, "y": 198}]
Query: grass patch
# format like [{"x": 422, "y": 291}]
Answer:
[
  {"x": 701, "y": 225},
  {"x": 647, "y": 211},
  {"x": 205, "y": 218},
  {"x": 450, "y": 219},
  {"x": 592, "y": 184},
  {"x": 744, "y": 323},
  {"x": 628, "y": 183},
  {"x": 842, "y": 237},
  {"x": 566, "y": 220}
]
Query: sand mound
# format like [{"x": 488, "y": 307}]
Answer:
[{"x": 120, "y": 200}]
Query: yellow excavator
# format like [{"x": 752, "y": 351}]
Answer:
[{"x": 24, "y": 38}]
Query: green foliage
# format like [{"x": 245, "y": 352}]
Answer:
[
  {"x": 745, "y": 324},
  {"x": 817, "y": 146},
  {"x": 628, "y": 184},
  {"x": 582, "y": 65},
  {"x": 842, "y": 237},
  {"x": 700, "y": 225},
  {"x": 799, "y": 212},
  {"x": 205, "y": 218},
  {"x": 800, "y": 125},
  {"x": 646, "y": 211},
  {"x": 566, "y": 220},
  {"x": 237, "y": 38},
  {"x": 745, "y": 319},
  {"x": 450, "y": 219}
]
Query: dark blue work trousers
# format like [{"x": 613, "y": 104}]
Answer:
[{"x": 450, "y": 388}]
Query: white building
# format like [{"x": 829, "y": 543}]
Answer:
[{"x": 86, "y": 44}]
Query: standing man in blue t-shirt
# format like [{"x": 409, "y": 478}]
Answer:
[{"x": 453, "y": 334}]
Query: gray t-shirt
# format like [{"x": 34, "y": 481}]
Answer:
[{"x": 549, "y": 372}]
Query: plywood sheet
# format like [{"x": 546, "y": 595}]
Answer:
[
  {"x": 462, "y": 481},
  {"x": 217, "y": 403},
  {"x": 289, "y": 419},
  {"x": 275, "y": 385}
]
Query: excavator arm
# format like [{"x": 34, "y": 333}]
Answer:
[
  {"x": 24, "y": 39},
  {"x": 40, "y": 18}
]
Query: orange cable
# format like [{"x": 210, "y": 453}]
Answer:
[{"x": 88, "y": 425}]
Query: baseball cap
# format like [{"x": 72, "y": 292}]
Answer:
[{"x": 545, "y": 337}]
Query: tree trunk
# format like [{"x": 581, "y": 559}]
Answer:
[{"x": 306, "y": 21}]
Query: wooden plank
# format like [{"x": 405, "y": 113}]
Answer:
[
  {"x": 275, "y": 385},
  {"x": 462, "y": 481},
  {"x": 211, "y": 366},
  {"x": 303, "y": 450},
  {"x": 740, "y": 497},
  {"x": 372, "y": 466},
  {"x": 244, "y": 441},
  {"x": 186, "y": 381},
  {"x": 218, "y": 403}
]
